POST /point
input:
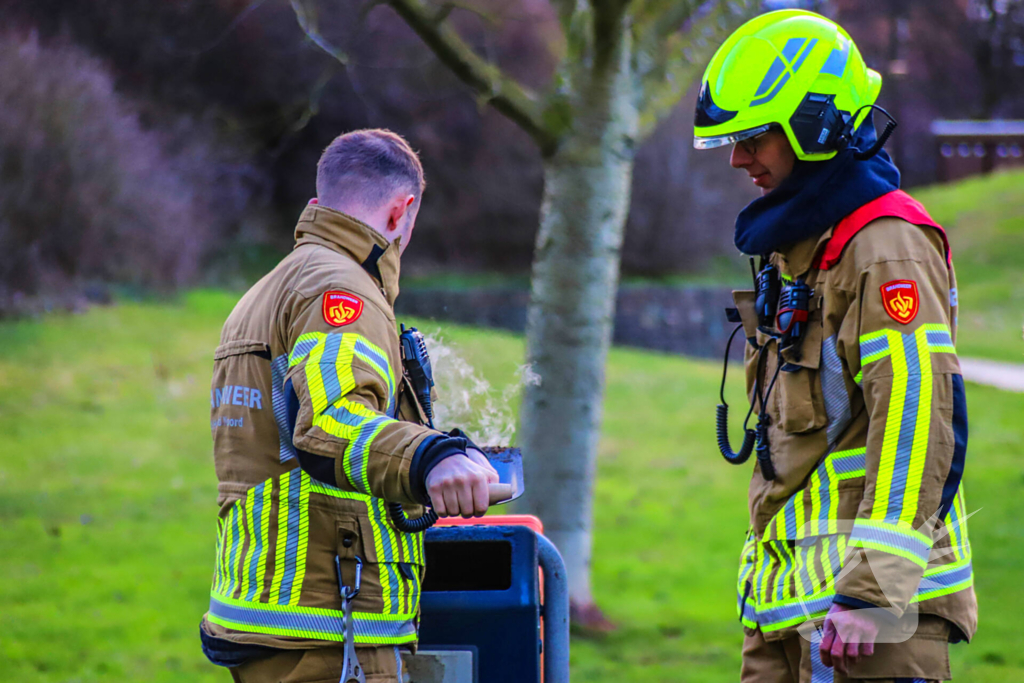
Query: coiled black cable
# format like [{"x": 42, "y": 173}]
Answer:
[
  {"x": 722, "y": 419},
  {"x": 410, "y": 526},
  {"x": 864, "y": 154},
  {"x": 764, "y": 455}
]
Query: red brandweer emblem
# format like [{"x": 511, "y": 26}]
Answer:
[
  {"x": 901, "y": 300},
  {"x": 341, "y": 308}
]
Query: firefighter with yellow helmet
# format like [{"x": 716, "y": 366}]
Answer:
[{"x": 857, "y": 563}]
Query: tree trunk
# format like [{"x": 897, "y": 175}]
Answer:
[{"x": 572, "y": 305}]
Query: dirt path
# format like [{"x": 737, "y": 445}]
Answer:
[{"x": 1008, "y": 376}]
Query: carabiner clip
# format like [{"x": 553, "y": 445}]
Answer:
[{"x": 347, "y": 593}]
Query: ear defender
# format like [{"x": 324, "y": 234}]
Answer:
[
  {"x": 820, "y": 127},
  {"x": 818, "y": 124}
]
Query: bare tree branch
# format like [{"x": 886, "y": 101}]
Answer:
[
  {"x": 308, "y": 22},
  {"x": 655, "y": 19},
  {"x": 609, "y": 16},
  {"x": 675, "y": 61},
  {"x": 485, "y": 78},
  {"x": 445, "y": 9}
]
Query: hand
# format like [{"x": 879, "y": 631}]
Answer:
[
  {"x": 458, "y": 485},
  {"x": 850, "y": 635}
]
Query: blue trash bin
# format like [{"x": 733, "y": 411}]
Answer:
[{"x": 482, "y": 594}]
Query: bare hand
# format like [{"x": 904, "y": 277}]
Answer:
[
  {"x": 458, "y": 485},
  {"x": 849, "y": 636}
]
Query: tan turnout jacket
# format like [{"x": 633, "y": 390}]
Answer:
[
  {"x": 867, "y": 433},
  {"x": 322, "y": 322}
]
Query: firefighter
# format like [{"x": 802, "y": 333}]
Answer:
[
  {"x": 857, "y": 564},
  {"x": 315, "y": 426}
]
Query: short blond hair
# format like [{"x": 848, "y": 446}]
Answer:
[{"x": 368, "y": 167}]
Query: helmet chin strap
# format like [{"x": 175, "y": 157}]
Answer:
[{"x": 846, "y": 138}]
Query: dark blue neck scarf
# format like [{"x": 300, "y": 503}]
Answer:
[{"x": 815, "y": 196}]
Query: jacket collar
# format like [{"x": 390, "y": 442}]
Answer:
[
  {"x": 798, "y": 258},
  {"x": 347, "y": 235}
]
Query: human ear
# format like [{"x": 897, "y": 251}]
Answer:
[{"x": 399, "y": 207}]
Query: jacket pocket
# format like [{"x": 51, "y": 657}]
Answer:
[
  {"x": 801, "y": 404},
  {"x": 392, "y": 569},
  {"x": 241, "y": 347}
]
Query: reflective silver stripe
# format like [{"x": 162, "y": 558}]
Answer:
[
  {"x": 819, "y": 672},
  {"x": 278, "y": 368},
  {"x": 837, "y": 400},
  {"x": 309, "y": 622}
]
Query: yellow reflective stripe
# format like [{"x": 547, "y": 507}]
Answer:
[
  {"x": 957, "y": 527},
  {"x": 815, "y": 486},
  {"x": 320, "y": 623},
  {"x": 415, "y": 540},
  {"x": 919, "y": 449},
  {"x": 407, "y": 549},
  {"x": 238, "y": 544},
  {"x": 302, "y": 346},
  {"x": 386, "y": 373},
  {"x": 833, "y": 497},
  {"x": 748, "y": 559},
  {"x": 261, "y": 569},
  {"x": 250, "y": 542},
  {"x": 326, "y": 490},
  {"x": 965, "y": 538},
  {"x": 786, "y": 571},
  {"x": 951, "y": 529},
  {"x": 891, "y": 437},
  {"x": 936, "y": 346},
  {"x": 218, "y": 566},
  {"x": 358, "y": 424},
  {"x": 378, "y": 540},
  {"x": 315, "y": 380},
  {"x": 761, "y": 566},
  {"x": 374, "y": 508},
  {"x": 871, "y": 357},
  {"x": 394, "y": 545},
  {"x": 826, "y": 562},
  {"x": 812, "y": 571},
  {"x": 843, "y": 541},
  {"x": 282, "y": 537},
  {"x": 303, "y": 540}
]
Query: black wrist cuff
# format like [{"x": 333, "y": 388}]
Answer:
[
  {"x": 428, "y": 455},
  {"x": 857, "y": 603}
]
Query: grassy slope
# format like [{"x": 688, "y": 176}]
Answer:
[
  {"x": 985, "y": 220},
  {"x": 107, "y": 506}
]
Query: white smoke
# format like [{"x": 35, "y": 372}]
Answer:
[{"x": 467, "y": 400}]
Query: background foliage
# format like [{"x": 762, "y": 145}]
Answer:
[{"x": 212, "y": 114}]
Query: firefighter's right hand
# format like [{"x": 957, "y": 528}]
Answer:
[{"x": 458, "y": 485}]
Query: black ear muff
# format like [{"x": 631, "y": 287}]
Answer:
[{"x": 817, "y": 123}]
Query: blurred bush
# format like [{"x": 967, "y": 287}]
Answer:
[
  {"x": 224, "y": 107},
  {"x": 249, "y": 66},
  {"x": 88, "y": 193}
]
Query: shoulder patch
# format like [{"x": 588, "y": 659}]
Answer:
[
  {"x": 901, "y": 300},
  {"x": 341, "y": 308}
]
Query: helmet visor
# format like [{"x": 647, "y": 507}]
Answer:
[{"x": 720, "y": 140}]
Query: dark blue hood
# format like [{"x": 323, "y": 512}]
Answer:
[{"x": 815, "y": 196}]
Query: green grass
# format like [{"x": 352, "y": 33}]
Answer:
[
  {"x": 984, "y": 218},
  {"x": 107, "y": 505}
]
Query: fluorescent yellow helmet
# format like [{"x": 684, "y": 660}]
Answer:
[{"x": 790, "y": 68}]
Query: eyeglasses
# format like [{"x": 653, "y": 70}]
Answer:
[{"x": 749, "y": 145}]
